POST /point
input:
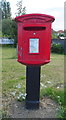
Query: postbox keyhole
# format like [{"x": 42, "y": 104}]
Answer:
[{"x": 34, "y": 33}]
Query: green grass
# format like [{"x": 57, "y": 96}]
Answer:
[
  {"x": 57, "y": 95},
  {"x": 14, "y": 73}
]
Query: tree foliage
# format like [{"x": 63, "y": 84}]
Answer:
[
  {"x": 9, "y": 29},
  {"x": 5, "y": 9},
  {"x": 9, "y": 26},
  {"x": 8, "y": 10},
  {"x": 24, "y": 11},
  {"x": 57, "y": 48},
  {"x": 20, "y": 9}
]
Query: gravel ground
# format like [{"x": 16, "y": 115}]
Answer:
[{"x": 48, "y": 109}]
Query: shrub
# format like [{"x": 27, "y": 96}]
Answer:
[{"x": 57, "y": 48}]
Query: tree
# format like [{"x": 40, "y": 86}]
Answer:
[
  {"x": 6, "y": 10},
  {"x": 54, "y": 35},
  {"x": 20, "y": 9},
  {"x": 11, "y": 31},
  {"x": 24, "y": 11}
]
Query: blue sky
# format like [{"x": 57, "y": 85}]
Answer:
[{"x": 50, "y": 7}]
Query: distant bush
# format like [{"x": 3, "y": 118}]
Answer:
[
  {"x": 6, "y": 45},
  {"x": 57, "y": 48}
]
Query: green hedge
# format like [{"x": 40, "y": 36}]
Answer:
[
  {"x": 6, "y": 45},
  {"x": 57, "y": 48}
]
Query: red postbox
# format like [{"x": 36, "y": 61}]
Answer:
[
  {"x": 34, "y": 42},
  {"x": 34, "y": 38}
]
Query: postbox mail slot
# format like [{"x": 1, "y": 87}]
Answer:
[{"x": 34, "y": 28}]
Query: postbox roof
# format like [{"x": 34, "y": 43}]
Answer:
[{"x": 45, "y": 17}]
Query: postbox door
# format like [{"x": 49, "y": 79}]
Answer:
[{"x": 35, "y": 43}]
